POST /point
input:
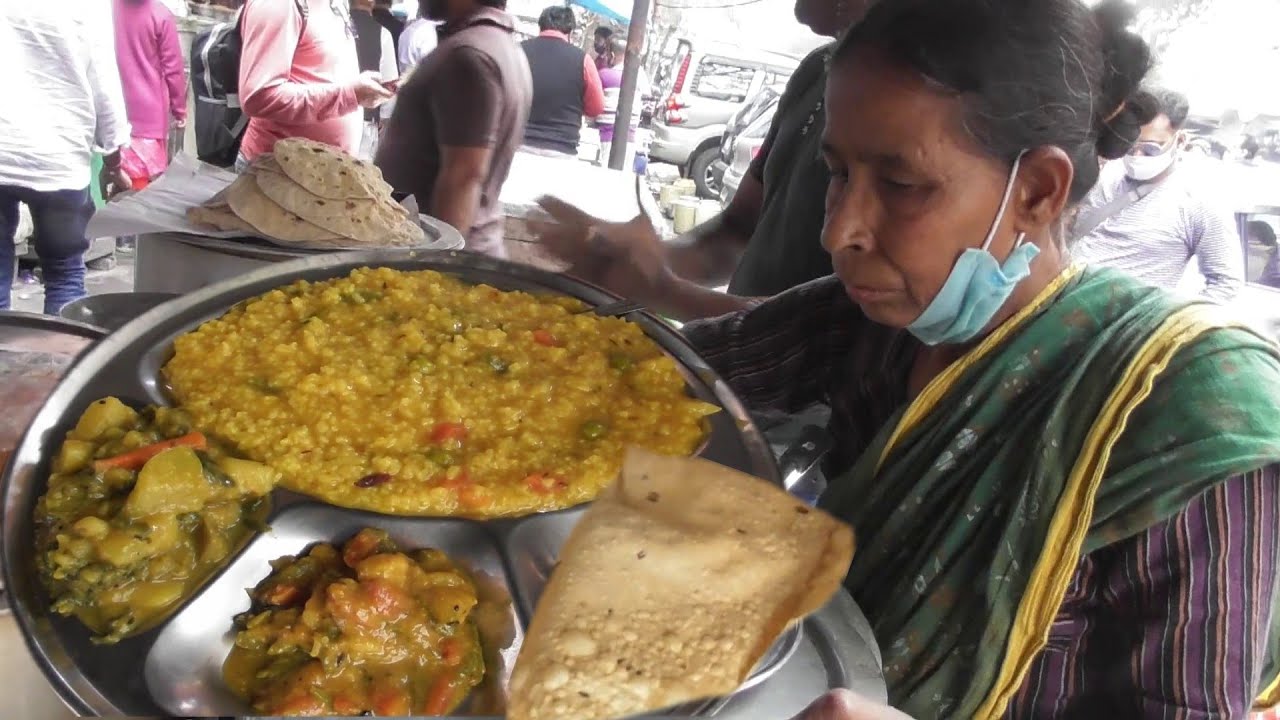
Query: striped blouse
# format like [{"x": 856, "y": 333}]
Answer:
[{"x": 1169, "y": 624}]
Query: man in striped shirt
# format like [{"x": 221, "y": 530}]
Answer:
[{"x": 1148, "y": 218}]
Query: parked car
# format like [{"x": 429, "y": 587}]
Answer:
[
  {"x": 700, "y": 90},
  {"x": 760, "y": 103},
  {"x": 745, "y": 146}
]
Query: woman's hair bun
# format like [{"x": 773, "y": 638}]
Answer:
[
  {"x": 1121, "y": 107},
  {"x": 1118, "y": 133}
]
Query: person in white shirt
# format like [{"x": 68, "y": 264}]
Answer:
[
  {"x": 1149, "y": 215},
  {"x": 62, "y": 97},
  {"x": 418, "y": 39}
]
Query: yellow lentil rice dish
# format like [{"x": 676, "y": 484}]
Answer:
[{"x": 415, "y": 393}]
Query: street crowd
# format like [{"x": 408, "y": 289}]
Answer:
[{"x": 441, "y": 102}]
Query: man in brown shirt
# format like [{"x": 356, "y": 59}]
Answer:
[{"x": 458, "y": 120}]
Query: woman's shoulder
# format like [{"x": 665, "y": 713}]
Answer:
[
  {"x": 1185, "y": 336},
  {"x": 1178, "y": 356},
  {"x": 1230, "y": 355},
  {"x": 1120, "y": 289}
]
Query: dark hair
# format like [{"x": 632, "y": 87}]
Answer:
[
  {"x": 604, "y": 31},
  {"x": 1263, "y": 231},
  {"x": 1173, "y": 105},
  {"x": 1029, "y": 73},
  {"x": 495, "y": 4},
  {"x": 558, "y": 18}
]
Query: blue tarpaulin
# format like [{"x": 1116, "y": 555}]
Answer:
[{"x": 618, "y": 11}]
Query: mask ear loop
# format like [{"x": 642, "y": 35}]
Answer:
[{"x": 1004, "y": 203}]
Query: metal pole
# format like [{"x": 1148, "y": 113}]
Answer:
[{"x": 627, "y": 93}]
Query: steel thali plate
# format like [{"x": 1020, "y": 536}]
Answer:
[{"x": 109, "y": 679}]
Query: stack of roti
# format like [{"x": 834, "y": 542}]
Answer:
[
  {"x": 670, "y": 589},
  {"x": 312, "y": 194}
]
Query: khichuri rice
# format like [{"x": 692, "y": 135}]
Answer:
[{"x": 417, "y": 394}]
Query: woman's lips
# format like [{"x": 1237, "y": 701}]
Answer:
[{"x": 864, "y": 295}]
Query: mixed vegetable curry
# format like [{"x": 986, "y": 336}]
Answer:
[
  {"x": 140, "y": 509},
  {"x": 364, "y": 629}
]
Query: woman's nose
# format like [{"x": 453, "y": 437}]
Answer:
[{"x": 847, "y": 225}]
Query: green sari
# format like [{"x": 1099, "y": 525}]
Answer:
[{"x": 1097, "y": 412}]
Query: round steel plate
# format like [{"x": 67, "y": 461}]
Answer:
[{"x": 110, "y": 679}]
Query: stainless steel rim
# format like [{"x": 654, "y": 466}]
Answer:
[
  {"x": 49, "y": 323},
  {"x": 39, "y": 323}
]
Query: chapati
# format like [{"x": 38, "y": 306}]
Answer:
[
  {"x": 372, "y": 221},
  {"x": 671, "y": 588},
  {"x": 218, "y": 215},
  {"x": 328, "y": 171},
  {"x": 251, "y": 205}
]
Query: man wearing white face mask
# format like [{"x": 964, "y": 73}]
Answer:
[{"x": 1147, "y": 217}]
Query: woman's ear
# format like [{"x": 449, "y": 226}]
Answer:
[{"x": 1044, "y": 185}]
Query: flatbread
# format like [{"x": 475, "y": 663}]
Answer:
[
  {"x": 329, "y": 172},
  {"x": 218, "y": 215},
  {"x": 368, "y": 221},
  {"x": 671, "y": 588},
  {"x": 268, "y": 218}
]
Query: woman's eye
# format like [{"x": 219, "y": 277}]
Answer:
[
  {"x": 893, "y": 184},
  {"x": 839, "y": 172}
]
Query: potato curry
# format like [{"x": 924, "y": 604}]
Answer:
[
  {"x": 364, "y": 629},
  {"x": 140, "y": 509}
]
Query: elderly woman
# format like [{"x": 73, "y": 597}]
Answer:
[{"x": 1063, "y": 482}]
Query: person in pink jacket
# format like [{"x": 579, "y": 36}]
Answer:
[
  {"x": 155, "y": 85},
  {"x": 300, "y": 76}
]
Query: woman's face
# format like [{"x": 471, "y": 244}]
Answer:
[{"x": 909, "y": 191}]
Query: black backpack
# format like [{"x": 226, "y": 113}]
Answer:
[{"x": 215, "y": 81}]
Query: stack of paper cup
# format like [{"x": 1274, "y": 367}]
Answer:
[
  {"x": 686, "y": 214},
  {"x": 667, "y": 195}
]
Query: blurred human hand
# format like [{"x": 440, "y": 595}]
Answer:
[
  {"x": 626, "y": 258},
  {"x": 113, "y": 180},
  {"x": 841, "y": 704},
  {"x": 370, "y": 92}
]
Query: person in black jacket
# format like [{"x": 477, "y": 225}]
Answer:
[{"x": 566, "y": 86}]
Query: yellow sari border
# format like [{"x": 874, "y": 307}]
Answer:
[
  {"x": 1074, "y": 514},
  {"x": 937, "y": 388},
  {"x": 1269, "y": 698}
]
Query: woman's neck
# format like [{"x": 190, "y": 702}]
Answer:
[
  {"x": 930, "y": 361},
  {"x": 1045, "y": 268}
]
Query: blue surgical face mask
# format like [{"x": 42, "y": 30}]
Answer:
[{"x": 977, "y": 287}]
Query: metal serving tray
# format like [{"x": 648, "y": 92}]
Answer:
[{"x": 174, "y": 668}]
